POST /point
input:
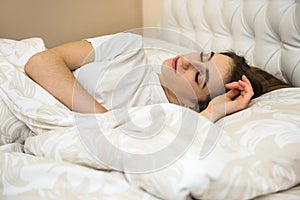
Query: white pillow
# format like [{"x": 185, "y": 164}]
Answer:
[
  {"x": 14, "y": 53},
  {"x": 17, "y": 53}
]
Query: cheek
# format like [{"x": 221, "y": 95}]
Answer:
[
  {"x": 189, "y": 87},
  {"x": 203, "y": 95},
  {"x": 180, "y": 85},
  {"x": 199, "y": 92},
  {"x": 190, "y": 79}
]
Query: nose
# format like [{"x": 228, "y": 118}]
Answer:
[{"x": 186, "y": 64}]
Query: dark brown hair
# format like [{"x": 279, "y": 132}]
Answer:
[
  {"x": 261, "y": 81},
  {"x": 240, "y": 68}
]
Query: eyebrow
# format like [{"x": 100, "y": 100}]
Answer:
[
  {"x": 201, "y": 56},
  {"x": 206, "y": 78},
  {"x": 211, "y": 55}
]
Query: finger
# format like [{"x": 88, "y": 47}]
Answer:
[
  {"x": 244, "y": 78},
  {"x": 240, "y": 85},
  {"x": 243, "y": 84},
  {"x": 232, "y": 93},
  {"x": 245, "y": 95},
  {"x": 236, "y": 85},
  {"x": 246, "y": 81},
  {"x": 232, "y": 85},
  {"x": 247, "y": 87}
]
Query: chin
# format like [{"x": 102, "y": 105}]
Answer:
[{"x": 167, "y": 63}]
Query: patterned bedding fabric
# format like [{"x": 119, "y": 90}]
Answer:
[{"x": 151, "y": 152}]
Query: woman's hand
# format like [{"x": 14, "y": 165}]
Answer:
[{"x": 234, "y": 100}]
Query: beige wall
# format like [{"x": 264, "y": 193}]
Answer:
[
  {"x": 152, "y": 13},
  {"x": 58, "y": 21}
]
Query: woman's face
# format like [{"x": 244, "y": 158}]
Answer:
[{"x": 195, "y": 76}]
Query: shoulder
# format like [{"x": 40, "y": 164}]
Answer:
[
  {"x": 118, "y": 39},
  {"x": 109, "y": 47}
]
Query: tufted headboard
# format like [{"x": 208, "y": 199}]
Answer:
[{"x": 266, "y": 32}]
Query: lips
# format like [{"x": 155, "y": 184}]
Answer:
[{"x": 174, "y": 63}]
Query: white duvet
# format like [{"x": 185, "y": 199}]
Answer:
[{"x": 158, "y": 151}]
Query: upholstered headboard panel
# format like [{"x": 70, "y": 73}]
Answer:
[{"x": 266, "y": 32}]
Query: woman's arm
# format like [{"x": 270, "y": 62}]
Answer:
[
  {"x": 52, "y": 69},
  {"x": 235, "y": 100}
]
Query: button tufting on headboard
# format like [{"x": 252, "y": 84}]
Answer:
[{"x": 266, "y": 32}]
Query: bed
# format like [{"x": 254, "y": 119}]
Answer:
[{"x": 49, "y": 152}]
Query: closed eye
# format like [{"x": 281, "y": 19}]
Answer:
[
  {"x": 196, "y": 77},
  {"x": 206, "y": 78}
]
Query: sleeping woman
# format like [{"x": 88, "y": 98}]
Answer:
[{"x": 108, "y": 72}]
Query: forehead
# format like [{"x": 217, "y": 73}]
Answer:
[
  {"x": 223, "y": 63},
  {"x": 222, "y": 59}
]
